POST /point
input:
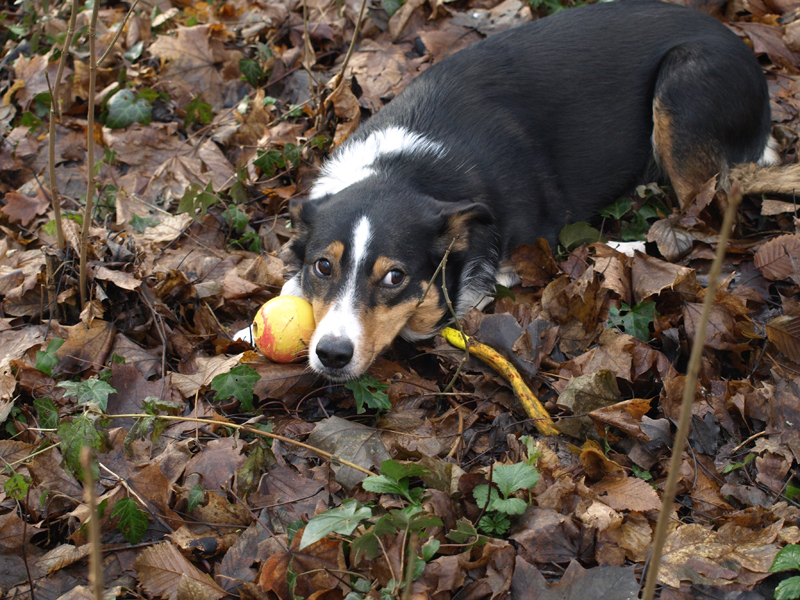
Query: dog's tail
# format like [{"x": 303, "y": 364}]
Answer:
[{"x": 756, "y": 179}]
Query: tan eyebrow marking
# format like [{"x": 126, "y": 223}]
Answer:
[
  {"x": 382, "y": 266},
  {"x": 335, "y": 251}
]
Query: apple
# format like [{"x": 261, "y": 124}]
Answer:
[{"x": 282, "y": 328}]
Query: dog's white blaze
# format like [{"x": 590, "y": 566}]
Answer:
[
  {"x": 292, "y": 287},
  {"x": 353, "y": 161},
  {"x": 343, "y": 319}
]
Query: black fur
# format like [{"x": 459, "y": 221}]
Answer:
[{"x": 540, "y": 126}]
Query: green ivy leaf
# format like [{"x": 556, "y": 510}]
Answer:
[
  {"x": 132, "y": 520},
  {"x": 74, "y": 436},
  {"x": 577, "y": 234},
  {"x": 342, "y": 520},
  {"x": 196, "y": 200},
  {"x": 125, "y": 109},
  {"x": 237, "y": 383},
  {"x": 45, "y": 361},
  {"x": 197, "y": 111},
  {"x": 17, "y": 486},
  {"x": 369, "y": 392},
  {"x": 139, "y": 224},
  {"x": 195, "y": 498},
  {"x": 269, "y": 162},
  {"x": 89, "y": 391},
  {"x": 510, "y": 478},
  {"x": 634, "y": 321},
  {"x": 251, "y": 71},
  {"x": 618, "y": 209},
  {"x": 47, "y": 413},
  {"x": 788, "y": 559},
  {"x": 236, "y": 218}
]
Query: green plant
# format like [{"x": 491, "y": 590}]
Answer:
[
  {"x": 237, "y": 383},
  {"x": 47, "y": 359},
  {"x": 197, "y": 200},
  {"x": 498, "y": 501},
  {"x": 732, "y": 466},
  {"x": 197, "y": 111},
  {"x": 633, "y": 321},
  {"x": 368, "y": 392},
  {"x": 351, "y": 516},
  {"x": 788, "y": 559},
  {"x": 132, "y": 520}
]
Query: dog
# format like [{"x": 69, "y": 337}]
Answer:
[{"x": 505, "y": 142}]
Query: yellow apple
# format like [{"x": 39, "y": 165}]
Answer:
[{"x": 282, "y": 328}]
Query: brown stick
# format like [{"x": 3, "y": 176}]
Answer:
[{"x": 688, "y": 399}]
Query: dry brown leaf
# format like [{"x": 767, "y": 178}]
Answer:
[
  {"x": 674, "y": 241},
  {"x": 628, "y": 493},
  {"x": 721, "y": 332},
  {"x": 62, "y": 556},
  {"x": 121, "y": 279},
  {"x": 778, "y": 207},
  {"x": 312, "y": 565},
  {"x": 161, "y": 569},
  {"x": 634, "y": 536},
  {"x": 535, "y": 265},
  {"x": 625, "y": 416},
  {"x": 784, "y": 332},
  {"x": 24, "y": 209},
  {"x": 86, "y": 347},
  {"x": 778, "y": 258},
  {"x": 723, "y": 557},
  {"x": 650, "y": 276},
  {"x": 207, "y": 369}
]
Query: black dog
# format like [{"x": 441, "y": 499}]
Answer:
[{"x": 508, "y": 141}]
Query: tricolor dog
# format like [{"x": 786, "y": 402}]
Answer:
[{"x": 508, "y": 141}]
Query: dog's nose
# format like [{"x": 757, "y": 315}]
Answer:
[{"x": 334, "y": 352}]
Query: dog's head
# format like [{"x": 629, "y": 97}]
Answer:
[{"x": 366, "y": 257}]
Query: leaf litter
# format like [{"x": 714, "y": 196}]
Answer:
[{"x": 227, "y": 111}]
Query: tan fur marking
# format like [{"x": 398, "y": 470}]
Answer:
[
  {"x": 320, "y": 308},
  {"x": 689, "y": 169},
  {"x": 382, "y": 324},
  {"x": 426, "y": 316},
  {"x": 382, "y": 266},
  {"x": 335, "y": 251},
  {"x": 458, "y": 227}
]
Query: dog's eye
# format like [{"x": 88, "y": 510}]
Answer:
[
  {"x": 393, "y": 278},
  {"x": 323, "y": 267}
]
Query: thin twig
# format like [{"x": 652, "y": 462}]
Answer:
[
  {"x": 96, "y": 549},
  {"x": 55, "y": 199},
  {"x": 455, "y": 319},
  {"x": 689, "y": 389},
  {"x": 119, "y": 31},
  {"x": 248, "y": 429},
  {"x": 340, "y": 76},
  {"x": 87, "y": 211}
]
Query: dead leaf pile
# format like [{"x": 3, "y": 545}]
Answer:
[{"x": 242, "y": 103}]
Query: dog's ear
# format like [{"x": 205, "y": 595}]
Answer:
[
  {"x": 459, "y": 222},
  {"x": 302, "y": 212}
]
